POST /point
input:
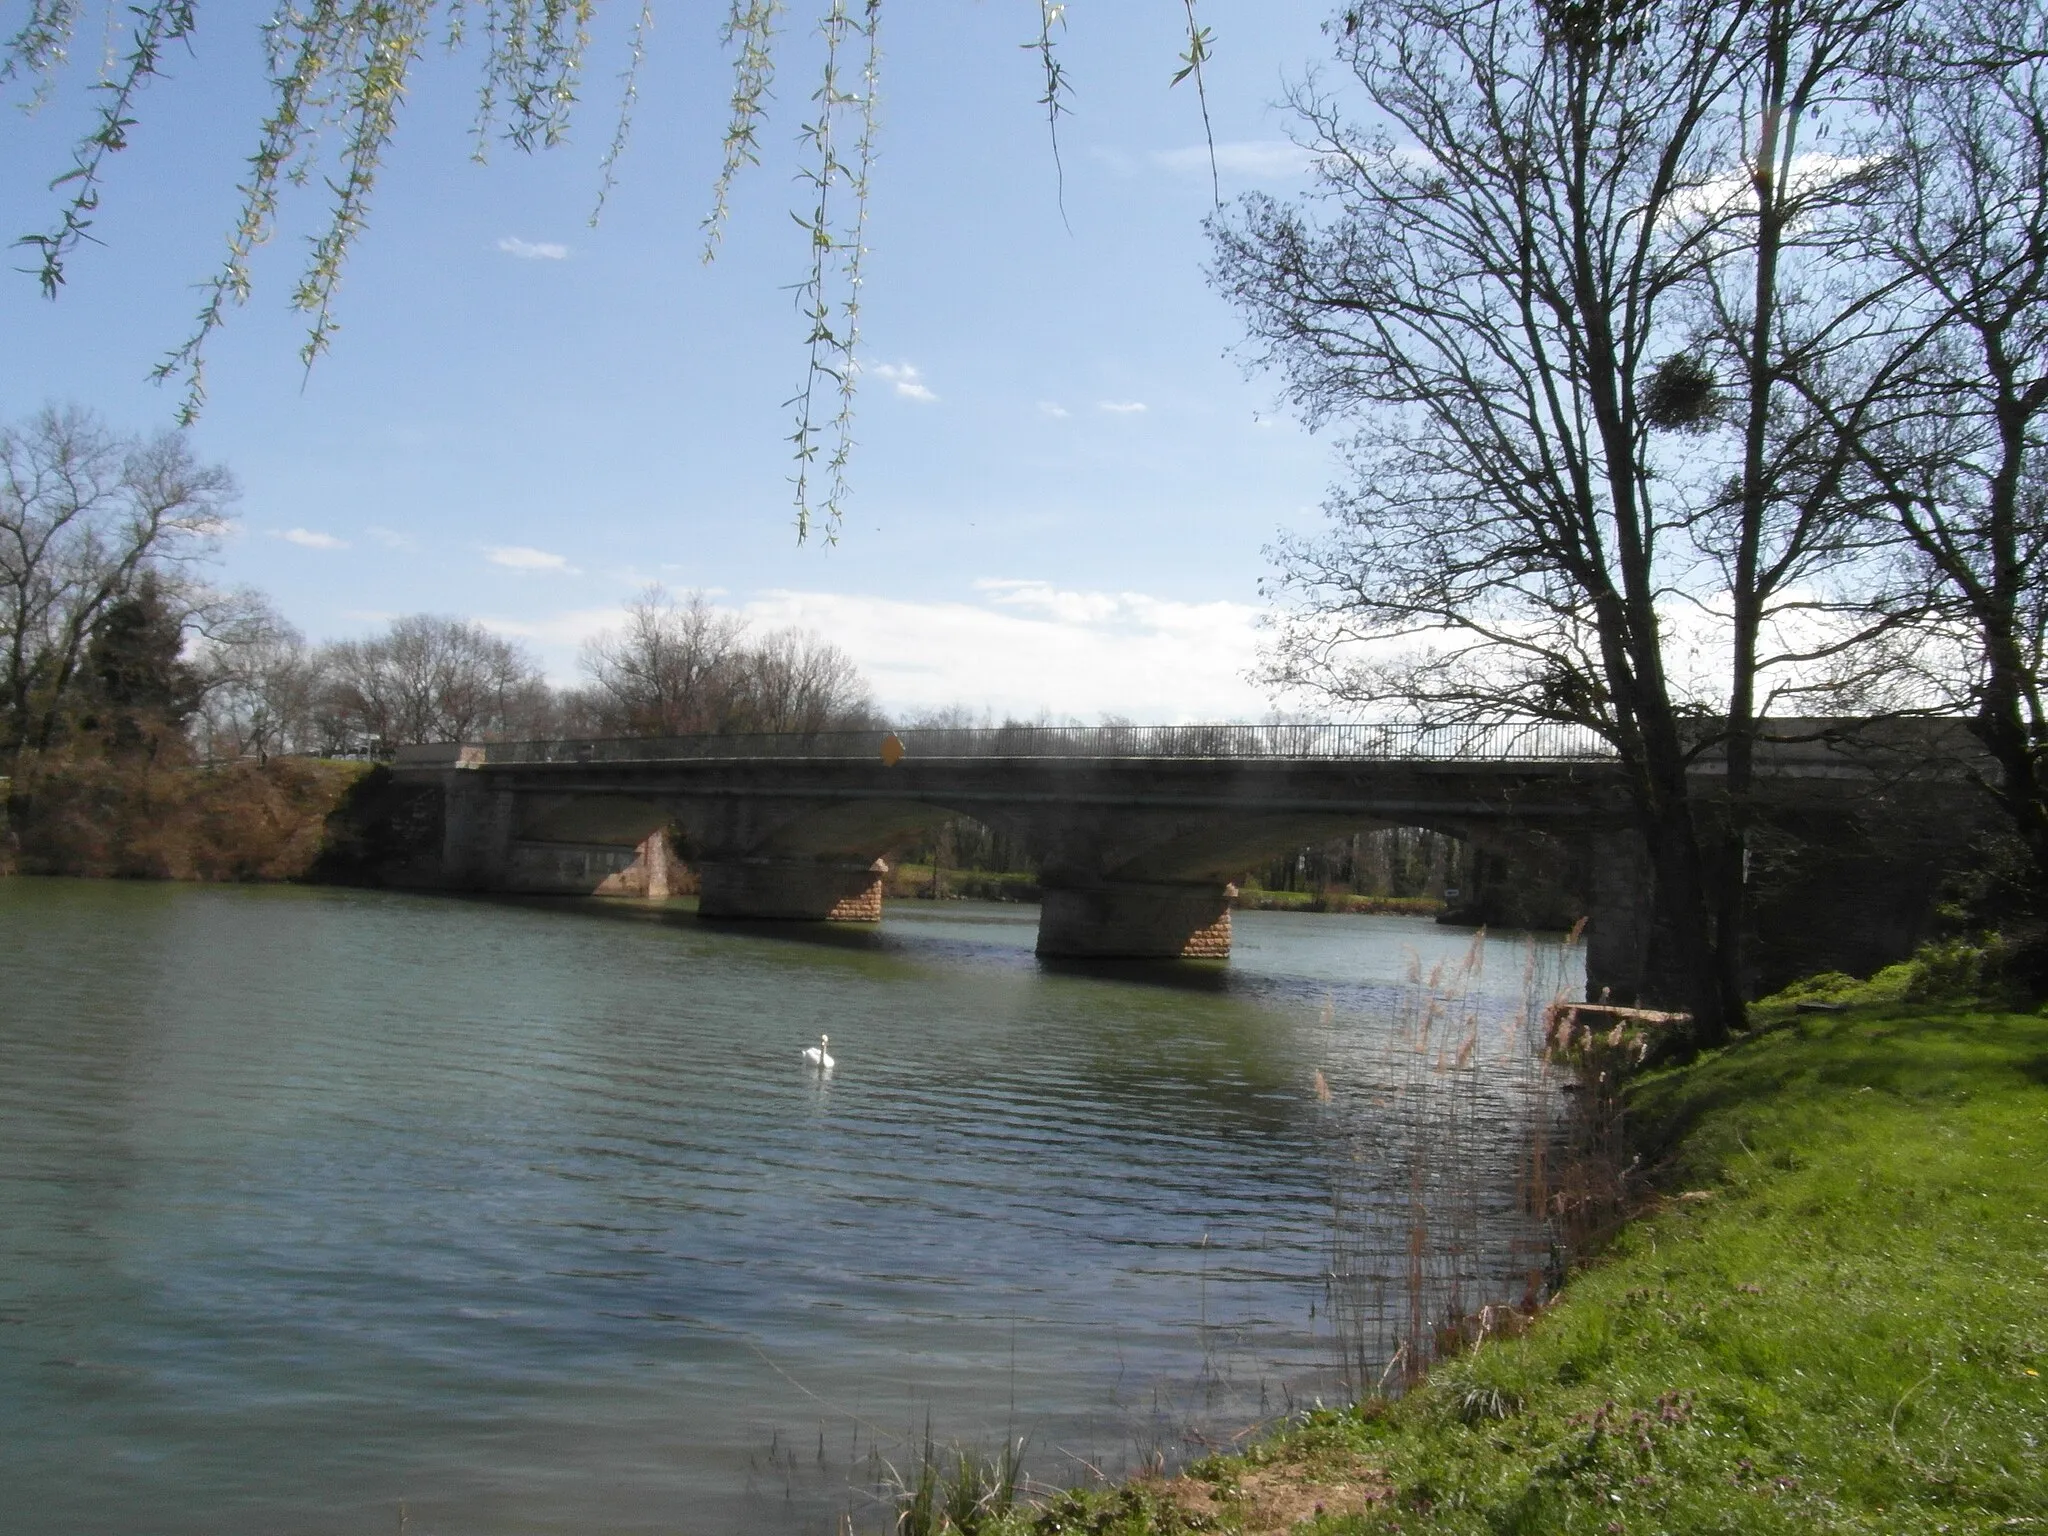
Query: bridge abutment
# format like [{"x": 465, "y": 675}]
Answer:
[
  {"x": 477, "y": 820},
  {"x": 1132, "y": 921},
  {"x": 791, "y": 890},
  {"x": 1618, "y": 927}
]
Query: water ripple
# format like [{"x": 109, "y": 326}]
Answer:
[{"x": 528, "y": 1217}]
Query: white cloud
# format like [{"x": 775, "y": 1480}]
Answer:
[
  {"x": 391, "y": 538},
  {"x": 1119, "y": 162},
  {"x": 1253, "y": 159},
  {"x": 1058, "y": 412},
  {"x": 522, "y": 557},
  {"x": 1054, "y": 603},
  {"x": 1020, "y": 647},
  {"x": 306, "y": 538},
  {"x": 1734, "y": 191},
  {"x": 564, "y": 631},
  {"x": 533, "y": 250},
  {"x": 909, "y": 383},
  {"x": 1121, "y": 407}
]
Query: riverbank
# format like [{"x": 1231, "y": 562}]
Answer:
[
  {"x": 1252, "y": 899},
  {"x": 284, "y": 819},
  {"x": 1831, "y": 1316},
  {"x": 919, "y": 882}
]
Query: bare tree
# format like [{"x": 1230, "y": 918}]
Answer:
[
  {"x": 681, "y": 668},
  {"x": 795, "y": 680},
  {"x": 1522, "y": 288},
  {"x": 429, "y": 679},
  {"x": 85, "y": 513},
  {"x": 261, "y": 685},
  {"x": 1960, "y": 458},
  {"x": 670, "y": 670}
]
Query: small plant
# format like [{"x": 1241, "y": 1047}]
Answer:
[
  {"x": 971, "y": 1498},
  {"x": 1823, "y": 986},
  {"x": 1480, "y": 1404},
  {"x": 1956, "y": 970},
  {"x": 1131, "y": 1510}
]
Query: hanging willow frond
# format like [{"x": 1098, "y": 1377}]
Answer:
[
  {"x": 1057, "y": 90},
  {"x": 387, "y": 43},
  {"x": 158, "y": 24},
  {"x": 533, "y": 59},
  {"x": 545, "y": 93},
  {"x": 338, "y": 69},
  {"x": 1200, "y": 41},
  {"x": 302, "y": 47},
  {"x": 629, "y": 97},
  {"x": 498, "y": 40},
  {"x": 751, "y": 25},
  {"x": 829, "y": 296},
  {"x": 853, "y": 248},
  {"x": 42, "y": 44}
]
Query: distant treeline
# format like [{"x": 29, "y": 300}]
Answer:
[
  {"x": 1386, "y": 861},
  {"x": 674, "y": 668},
  {"x": 113, "y": 646}
]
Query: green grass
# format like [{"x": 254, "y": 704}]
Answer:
[{"x": 1835, "y": 1321}]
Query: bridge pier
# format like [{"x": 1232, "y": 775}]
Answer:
[
  {"x": 1618, "y": 927},
  {"x": 793, "y": 890},
  {"x": 1128, "y": 920},
  {"x": 477, "y": 821}
]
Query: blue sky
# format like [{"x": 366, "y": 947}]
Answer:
[{"x": 1064, "y": 482}]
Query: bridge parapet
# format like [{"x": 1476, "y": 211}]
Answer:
[
  {"x": 1523, "y": 741},
  {"x": 1791, "y": 747}
]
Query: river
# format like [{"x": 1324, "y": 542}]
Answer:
[{"x": 327, "y": 1210}]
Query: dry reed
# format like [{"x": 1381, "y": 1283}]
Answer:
[{"x": 1464, "y": 1179}]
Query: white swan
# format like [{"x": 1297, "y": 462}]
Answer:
[{"x": 818, "y": 1055}]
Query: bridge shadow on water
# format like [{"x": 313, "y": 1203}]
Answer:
[
  {"x": 857, "y": 937},
  {"x": 1204, "y": 977},
  {"x": 913, "y": 935}
]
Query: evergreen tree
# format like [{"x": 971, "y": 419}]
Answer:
[{"x": 141, "y": 691}]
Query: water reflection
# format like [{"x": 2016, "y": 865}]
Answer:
[{"x": 314, "y": 1202}]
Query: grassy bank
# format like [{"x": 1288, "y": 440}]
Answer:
[{"x": 1833, "y": 1318}]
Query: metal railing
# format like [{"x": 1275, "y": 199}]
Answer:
[{"x": 1380, "y": 741}]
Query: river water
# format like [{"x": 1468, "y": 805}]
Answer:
[{"x": 343, "y": 1211}]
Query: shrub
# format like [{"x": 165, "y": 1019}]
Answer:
[{"x": 1954, "y": 970}]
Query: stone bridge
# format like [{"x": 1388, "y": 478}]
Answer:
[{"x": 1139, "y": 832}]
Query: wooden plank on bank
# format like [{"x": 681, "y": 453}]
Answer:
[{"x": 1616, "y": 1012}]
